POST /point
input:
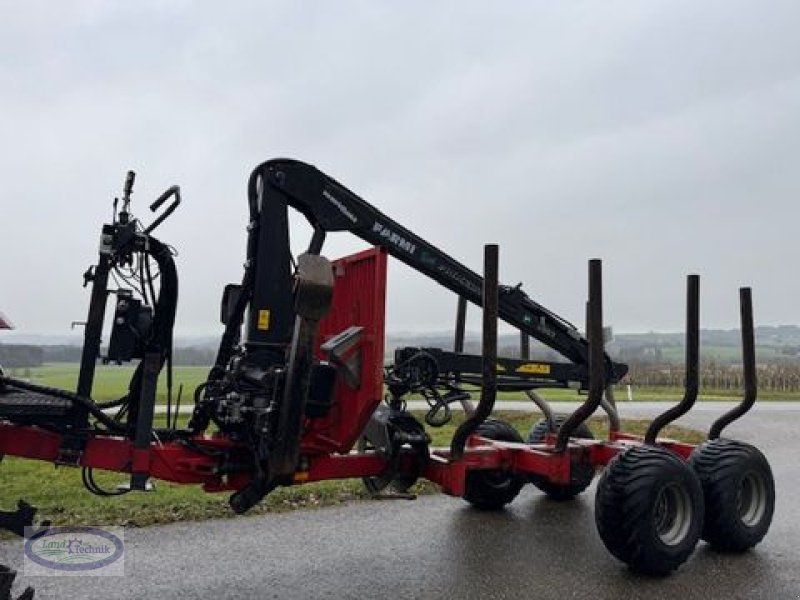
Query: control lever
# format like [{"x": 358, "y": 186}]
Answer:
[
  {"x": 126, "y": 197},
  {"x": 168, "y": 193},
  {"x": 128, "y": 190}
]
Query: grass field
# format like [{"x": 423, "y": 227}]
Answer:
[
  {"x": 60, "y": 496},
  {"x": 112, "y": 381}
]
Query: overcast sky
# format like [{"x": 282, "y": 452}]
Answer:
[{"x": 662, "y": 137}]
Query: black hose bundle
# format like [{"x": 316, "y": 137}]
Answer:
[{"x": 160, "y": 339}]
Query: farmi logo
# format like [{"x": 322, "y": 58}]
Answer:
[{"x": 393, "y": 238}]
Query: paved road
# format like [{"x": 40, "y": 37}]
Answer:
[{"x": 438, "y": 547}]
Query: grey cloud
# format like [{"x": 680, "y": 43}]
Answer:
[{"x": 660, "y": 136}]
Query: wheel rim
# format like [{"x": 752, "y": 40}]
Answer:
[
  {"x": 751, "y": 499},
  {"x": 496, "y": 479},
  {"x": 377, "y": 483},
  {"x": 673, "y": 514}
]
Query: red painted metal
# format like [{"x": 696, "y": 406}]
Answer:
[
  {"x": 533, "y": 459},
  {"x": 682, "y": 449},
  {"x": 170, "y": 461},
  {"x": 341, "y": 466},
  {"x": 359, "y": 298},
  {"x": 181, "y": 463}
]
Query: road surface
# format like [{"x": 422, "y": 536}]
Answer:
[{"x": 439, "y": 547}]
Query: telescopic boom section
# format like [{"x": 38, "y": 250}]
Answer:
[{"x": 329, "y": 206}]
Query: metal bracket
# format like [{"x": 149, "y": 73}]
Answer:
[
  {"x": 71, "y": 450},
  {"x": 344, "y": 351}
]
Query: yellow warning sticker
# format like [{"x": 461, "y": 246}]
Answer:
[
  {"x": 534, "y": 369},
  {"x": 263, "y": 320}
]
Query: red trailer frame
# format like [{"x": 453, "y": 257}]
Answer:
[{"x": 359, "y": 300}]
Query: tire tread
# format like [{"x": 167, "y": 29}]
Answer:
[
  {"x": 624, "y": 503},
  {"x": 719, "y": 464},
  {"x": 479, "y": 490}
]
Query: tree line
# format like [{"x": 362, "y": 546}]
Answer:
[{"x": 17, "y": 356}]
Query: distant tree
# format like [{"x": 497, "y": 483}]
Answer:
[{"x": 20, "y": 356}]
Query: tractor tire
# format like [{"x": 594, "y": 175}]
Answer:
[
  {"x": 649, "y": 509},
  {"x": 582, "y": 474},
  {"x": 493, "y": 489},
  {"x": 739, "y": 493}
]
